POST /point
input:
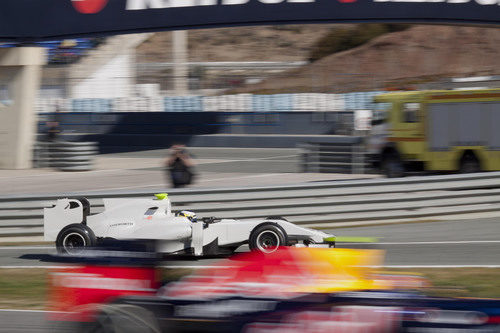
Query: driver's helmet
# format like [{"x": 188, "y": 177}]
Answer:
[{"x": 186, "y": 213}]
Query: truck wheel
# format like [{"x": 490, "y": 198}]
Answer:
[
  {"x": 267, "y": 238},
  {"x": 392, "y": 166},
  {"x": 74, "y": 238},
  {"x": 469, "y": 164}
]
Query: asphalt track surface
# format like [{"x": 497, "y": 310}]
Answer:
[
  {"x": 436, "y": 244},
  {"x": 458, "y": 243},
  {"x": 29, "y": 321},
  {"x": 214, "y": 167}
]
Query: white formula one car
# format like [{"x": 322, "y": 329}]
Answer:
[{"x": 71, "y": 226}]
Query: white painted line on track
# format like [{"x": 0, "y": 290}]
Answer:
[
  {"x": 198, "y": 182},
  {"x": 36, "y": 311},
  {"x": 220, "y": 161},
  {"x": 388, "y": 266},
  {"x": 124, "y": 188},
  {"x": 59, "y": 174},
  {"x": 164, "y": 266},
  {"x": 240, "y": 177},
  {"x": 230, "y": 267},
  {"x": 436, "y": 266},
  {"x": 36, "y": 267},
  {"x": 267, "y": 159},
  {"x": 195, "y": 267},
  {"x": 27, "y": 248},
  {"x": 431, "y": 242},
  {"x": 14, "y": 247}
]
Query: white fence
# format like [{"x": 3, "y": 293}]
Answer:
[{"x": 224, "y": 103}]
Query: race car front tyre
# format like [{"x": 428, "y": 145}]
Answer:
[
  {"x": 267, "y": 238},
  {"x": 74, "y": 238},
  {"x": 122, "y": 318}
]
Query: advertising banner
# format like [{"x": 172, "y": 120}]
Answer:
[{"x": 29, "y": 20}]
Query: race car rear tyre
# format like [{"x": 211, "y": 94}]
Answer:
[
  {"x": 267, "y": 238},
  {"x": 74, "y": 238}
]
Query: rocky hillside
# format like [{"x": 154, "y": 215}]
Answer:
[
  {"x": 266, "y": 43},
  {"x": 419, "y": 54}
]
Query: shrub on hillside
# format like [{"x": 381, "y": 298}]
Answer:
[{"x": 341, "y": 39}]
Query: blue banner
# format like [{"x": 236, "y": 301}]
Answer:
[{"x": 27, "y": 20}]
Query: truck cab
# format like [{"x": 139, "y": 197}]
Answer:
[{"x": 435, "y": 130}]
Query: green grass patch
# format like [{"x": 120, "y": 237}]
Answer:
[
  {"x": 463, "y": 282},
  {"x": 27, "y": 289},
  {"x": 23, "y": 288},
  {"x": 168, "y": 275},
  {"x": 14, "y": 243},
  {"x": 354, "y": 239}
]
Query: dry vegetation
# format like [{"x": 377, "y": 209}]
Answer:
[
  {"x": 266, "y": 43},
  {"x": 419, "y": 54}
]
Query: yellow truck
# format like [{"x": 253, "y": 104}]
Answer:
[{"x": 436, "y": 130}]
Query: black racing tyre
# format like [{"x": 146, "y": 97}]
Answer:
[
  {"x": 74, "y": 238},
  {"x": 122, "y": 318},
  {"x": 267, "y": 238},
  {"x": 469, "y": 164}
]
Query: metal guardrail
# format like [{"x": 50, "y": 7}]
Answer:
[
  {"x": 313, "y": 204},
  {"x": 349, "y": 157},
  {"x": 65, "y": 155}
]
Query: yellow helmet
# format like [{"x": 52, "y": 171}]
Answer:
[{"x": 190, "y": 215}]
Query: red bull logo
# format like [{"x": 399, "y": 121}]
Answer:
[{"x": 89, "y": 6}]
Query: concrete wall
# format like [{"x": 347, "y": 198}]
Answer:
[
  {"x": 20, "y": 70},
  {"x": 121, "y": 131}
]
